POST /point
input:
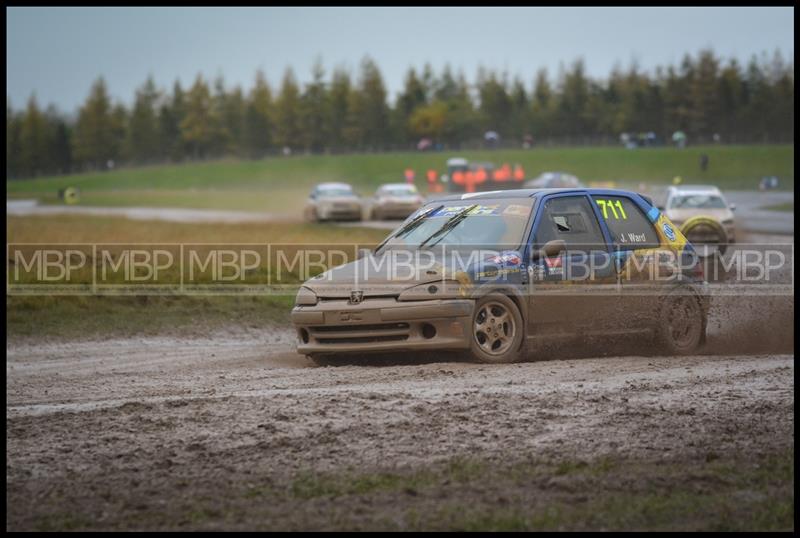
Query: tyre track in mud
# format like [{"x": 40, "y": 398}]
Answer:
[{"x": 123, "y": 427}]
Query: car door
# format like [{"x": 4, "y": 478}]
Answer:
[
  {"x": 640, "y": 260},
  {"x": 574, "y": 290}
]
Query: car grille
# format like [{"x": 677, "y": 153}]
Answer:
[{"x": 357, "y": 334}]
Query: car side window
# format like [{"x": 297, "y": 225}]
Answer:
[
  {"x": 629, "y": 227},
  {"x": 571, "y": 219}
]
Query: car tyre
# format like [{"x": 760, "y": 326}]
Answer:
[
  {"x": 497, "y": 331},
  {"x": 682, "y": 323}
]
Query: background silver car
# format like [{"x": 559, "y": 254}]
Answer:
[
  {"x": 395, "y": 201},
  {"x": 554, "y": 180},
  {"x": 333, "y": 201}
]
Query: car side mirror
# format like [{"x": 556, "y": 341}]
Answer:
[
  {"x": 554, "y": 247},
  {"x": 733, "y": 207}
]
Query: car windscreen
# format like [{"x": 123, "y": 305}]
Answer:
[
  {"x": 398, "y": 191},
  {"x": 697, "y": 201},
  {"x": 334, "y": 191},
  {"x": 491, "y": 222}
]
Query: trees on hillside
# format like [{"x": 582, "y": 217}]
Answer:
[
  {"x": 703, "y": 96},
  {"x": 99, "y": 131}
]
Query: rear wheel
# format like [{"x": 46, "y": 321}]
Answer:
[
  {"x": 682, "y": 323},
  {"x": 497, "y": 330}
]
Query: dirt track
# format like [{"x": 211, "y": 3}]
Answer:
[{"x": 130, "y": 434}]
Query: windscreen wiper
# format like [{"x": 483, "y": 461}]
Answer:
[
  {"x": 409, "y": 226},
  {"x": 451, "y": 223}
]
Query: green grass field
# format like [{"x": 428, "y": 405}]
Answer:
[
  {"x": 280, "y": 184},
  {"x": 788, "y": 206}
]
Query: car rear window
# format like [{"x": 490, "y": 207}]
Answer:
[{"x": 334, "y": 191}]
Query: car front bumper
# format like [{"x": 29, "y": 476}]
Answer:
[
  {"x": 397, "y": 211},
  {"x": 341, "y": 212},
  {"x": 382, "y": 325}
]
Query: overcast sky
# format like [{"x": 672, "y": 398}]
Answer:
[{"x": 58, "y": 52}]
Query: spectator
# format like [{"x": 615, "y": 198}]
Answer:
[{"x": 703, "y": 162}]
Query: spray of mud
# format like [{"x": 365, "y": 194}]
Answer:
[{"x": 751, "y": 325}]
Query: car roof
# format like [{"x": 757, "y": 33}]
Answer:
[
  {"x": 334, "y": 185},
  {"x": 694, "y": 189},
  {"x": 397, "y": 185},
  {"x": 554, "y": 173},
  {"x": 530, "y": 193}
]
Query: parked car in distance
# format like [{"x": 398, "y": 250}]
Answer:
[
  {"x": 703, "y": 215},
  {"x": 495, "y": 273},
  {"x": 395, "y": 201},
  {"x": 554, "y": 180},
  {"x": 333, "y": 201}
]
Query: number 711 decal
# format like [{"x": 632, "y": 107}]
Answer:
[{"x": 614, "y": 206}]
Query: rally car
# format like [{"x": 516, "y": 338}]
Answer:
[
  {"x": 492, "y": 273},
  {"x": 395, "y": 201},
  {"x": 333, "y": 201},
  {"x": 703, "y": 215}
]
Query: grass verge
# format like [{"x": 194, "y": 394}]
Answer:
[
  {"x": 468, "y": 494},
  {"x": 98, "y": 316},
  {"x": 788, "y": 207}
]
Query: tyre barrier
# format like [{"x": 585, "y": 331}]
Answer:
[{"x": 70, "y": 195}]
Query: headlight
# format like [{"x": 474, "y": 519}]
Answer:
[
  {"x": 438, "y": 289},
  {"x": 305, "y": 297}
]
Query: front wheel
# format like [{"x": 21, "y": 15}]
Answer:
[
  {"x": 682, "y": 323},
  {"x": 497, "y": 330}
]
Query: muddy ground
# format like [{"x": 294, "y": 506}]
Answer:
[
  {"x": 236, "y": 431},
  {"x": 233, "y": 430}
]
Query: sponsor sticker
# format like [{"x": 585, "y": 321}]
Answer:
[
  {"x": 492, "y": 273},
  {"x": 553, "y": 262},
  {"x": 516, "y": 210},
  {"x": 668, "y": 231},
  {"x": 536, "y": 272},
  {"x": 506, "y": 258},
  {"x": 454, "y": 210}
]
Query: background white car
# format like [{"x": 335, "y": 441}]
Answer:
[
  {"x": 395, "y": 201},
  {"x": 703, "y": 214},
  {"x": 333, "y": 201},
  {"x": 554, "y": 180}
]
